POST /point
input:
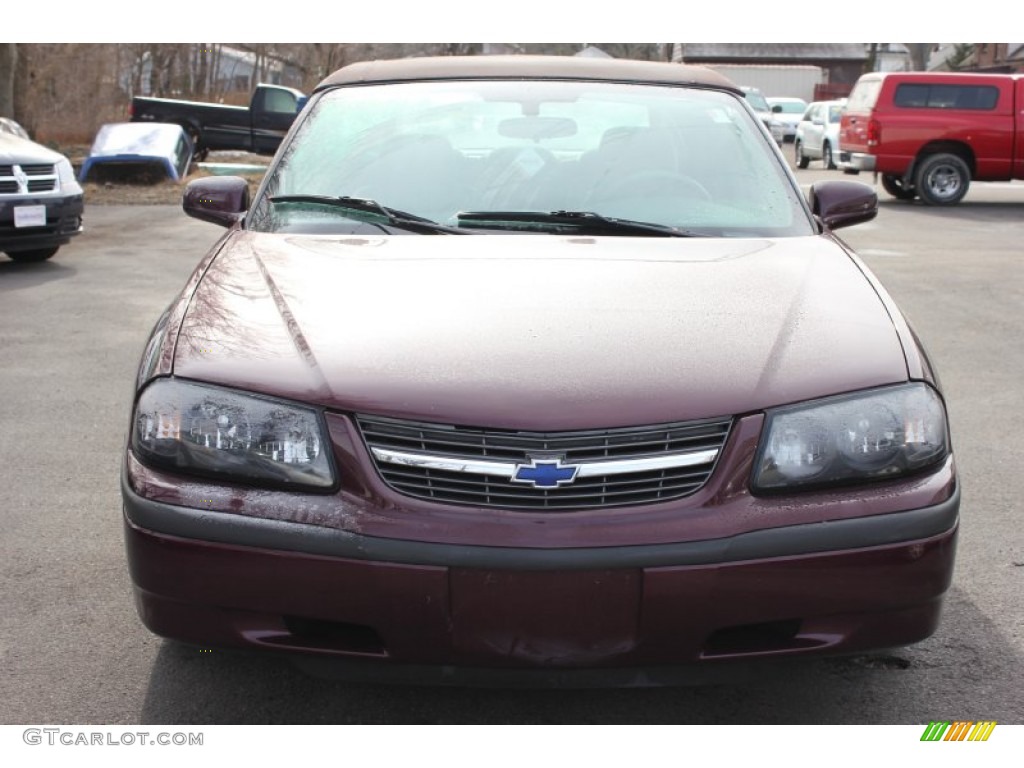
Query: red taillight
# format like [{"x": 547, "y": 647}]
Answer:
[
  {"x": 874, "y": 133},
  {"x": 131, "y": 111}
]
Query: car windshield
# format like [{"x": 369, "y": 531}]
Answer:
[
  {"x": 791, "y": 107},
  {"x": 688, "y": 159},
  {"x": 757, "y": 101}
]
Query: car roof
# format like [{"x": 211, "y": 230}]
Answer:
[
  {"x": 939, "y": 77},
  {"x": 531, "y": 67}
]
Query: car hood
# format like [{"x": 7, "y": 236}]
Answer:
[
  {"x": 14, "y": 149},
  {"x": 538, "y": 332}
]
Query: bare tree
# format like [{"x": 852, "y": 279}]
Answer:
[
  {"x": 643, "y": 51},
  {"x": 64, "y": 92},
  {"x": 961, "y": 56},
  {"x": 8, "y": 67},
  {"x": 919, "y": 55}
]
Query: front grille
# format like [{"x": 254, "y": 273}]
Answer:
[
  {"x": 36, "y": 179},
  {"x": 450, "y": 443},
  {"x": 38, "y": 170}
]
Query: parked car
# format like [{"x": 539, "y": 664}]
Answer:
[
  {"x": 930, "y": 134},
  {"x": 257, "y": 128},
  {"x": 757, "y": 101},
  {"x": 41, "y": 204},
  {"x": 7, "y": 125},
  {"x": 527, "y": 365},
  {"x": 788, "y": 111},
  {"x": 817, "y": 135}
]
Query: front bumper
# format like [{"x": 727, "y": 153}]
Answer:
[
  {"x": 63, "y": 221},
  {"x": 842, "y": 586}
]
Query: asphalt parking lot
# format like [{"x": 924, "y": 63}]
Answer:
[{"x": 73, "y": 650}]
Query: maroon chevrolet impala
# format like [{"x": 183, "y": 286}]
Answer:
[{"x": 521, "y": 366}]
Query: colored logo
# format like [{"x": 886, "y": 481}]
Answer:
[
  {"x": 959, "y": 730},
  {"x": 545, "y": 473}
]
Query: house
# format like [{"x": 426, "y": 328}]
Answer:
[
  {"x": 998, "y": 57},
  {"x": 978, "y": 57},
  {"x": 841, "y": 63},
  {"x": 890, "y": 57}
]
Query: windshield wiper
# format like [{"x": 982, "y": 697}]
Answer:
[
  {"x": 587, "y": 220},
  {"x": 395, "y": 218}
]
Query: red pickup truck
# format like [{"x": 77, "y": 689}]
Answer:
[{"x": 929, "y": 134}]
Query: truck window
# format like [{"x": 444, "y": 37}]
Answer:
[
  {"x": 279, "y": 101},
  {"x": 940, "y": 96},
  {"x": 864, "y": 95}
]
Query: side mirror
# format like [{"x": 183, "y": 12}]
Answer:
[
  {"x": 219, "y": 200},
  {"x": 777, "y": 109},
  {"x": 843, "y": 203}
]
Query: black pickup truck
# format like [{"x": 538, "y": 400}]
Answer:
[{"x": 256, "y": 128}]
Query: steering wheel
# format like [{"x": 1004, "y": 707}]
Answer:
[{"x": 649, "y": 183}]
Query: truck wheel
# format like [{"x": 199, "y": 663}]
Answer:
[
  {"x": 942, "y": 179},
  {"x": 802, "y": 161},
  {"x": 40, "y": 254},
  {"x": 894, "y": 186}
]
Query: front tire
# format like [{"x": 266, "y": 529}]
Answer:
[
  {"x": 894, "y": 186},
  {"x": 28, "y": 257},
  {"x": 802, "y": 161},
  {"x": 942, "y": 179}
]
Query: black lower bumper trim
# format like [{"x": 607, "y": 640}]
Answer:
[{"x": 239, "y": 530}]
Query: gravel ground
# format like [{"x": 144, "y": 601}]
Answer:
[{"x": 163, "y": 192}]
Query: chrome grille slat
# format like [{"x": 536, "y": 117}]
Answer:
[
  {"x": 513, "y": 446},
  {"x": 624, "y": 487}
]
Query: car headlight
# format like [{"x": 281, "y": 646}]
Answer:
[
  {"x": 881, "y": 434},
  {"x": 210, "y": 431},
  {"x": 65, "y": 172}
]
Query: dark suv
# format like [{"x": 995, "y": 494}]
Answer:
[{"x": 40, "y": 202}]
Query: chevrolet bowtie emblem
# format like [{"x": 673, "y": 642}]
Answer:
[{"x": 545, "y": 473}]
